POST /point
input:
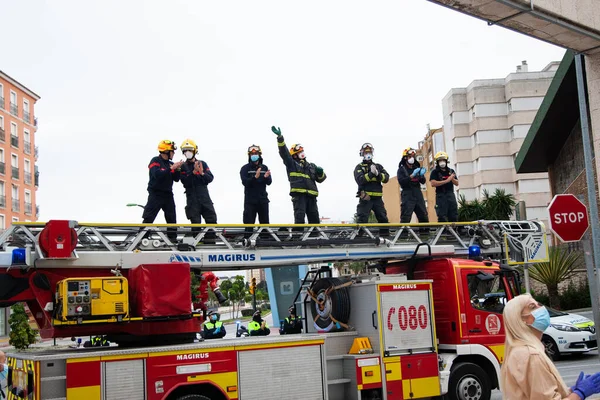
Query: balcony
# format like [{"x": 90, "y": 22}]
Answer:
[
  {"x": 2, "y": 168},
  {"x": 36, "y": 178},
  {"x": 15, "y": 173},
  {"x": 37, "y": 211},
  {"x": 28, "y": 208},
  {"x": 26, "y": 116},
  {"x": 35, "y": 122},
  {"x": 14, "y": 109},
  {"x": 27, "y": 147},
  {"x": 27, "y": 178},
  {"x": 15, "y": 205},
  {"x": 2, "y": 135},
  {"x": 1, "y": 102},
  {"x": 2, "y": 201},
  {"x": 14, "y": 141},
  {"x": 36, "y": 152}
]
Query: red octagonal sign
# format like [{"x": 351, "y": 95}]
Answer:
[{"x": 568, "y": 217}]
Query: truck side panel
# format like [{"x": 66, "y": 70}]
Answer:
[{"x": 83, "y": 378}]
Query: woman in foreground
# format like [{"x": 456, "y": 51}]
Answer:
[{"x": 527, "y": 373}]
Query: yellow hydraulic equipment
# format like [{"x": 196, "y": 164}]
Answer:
[
  {"x": 361, "y": 345},
  {"x": 92, "y": 298}
]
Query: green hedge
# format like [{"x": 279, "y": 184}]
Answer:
[{"x": 573, "y": 297}]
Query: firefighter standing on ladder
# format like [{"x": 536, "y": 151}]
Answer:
[
  {"x": 163, "y": 172},
  {"x": 255, "y": 177},
  {"x": 303, "y": 177},
  {"x": 410, "y": 177},
  {"x": 443, "y": 179},
  {"x": 369, "y": 176},
  {"x": 195, "y": 176}
]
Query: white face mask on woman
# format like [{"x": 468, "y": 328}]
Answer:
[
  {"x": 189, "y": 154},
  {"x": 442, "y": 164},
  {"x": 368, "y": 156},
  {"x": 411, "y": 160},
  {"x": 301, "y": 156}
]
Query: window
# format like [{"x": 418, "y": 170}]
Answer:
[
  {"x": 14, "y": 108},
  {"x": 28, "y": 205},
  {"x": 26, "y": 141},
  {"x": 519, "y": 131},
  {"x": 15, "y": 219},
  {"x": 1, "y": 97},
  {"x": 2, "y": 196},
  {"x": 2, "y": 165},
  {"x": 14, "y": 135},
  {"x": 534, "y": 185},
  {"x": 15, "y": 199},
  {"x": 463, "y": 143},
  {"x": 486, "y": 292},
  {"x": 27, "y": 171},
  {"x": 2, "y": 131},
  {"x": 526, "y": 103},
  {"x": 493, "y": 136},
  {"x": 2, "y": 222},
  {"x": 490, "y": 110},
  {"x": 15, "y": 192},
  {"x": 499, "y": 162},
  {"x": 14, "y": 163}
]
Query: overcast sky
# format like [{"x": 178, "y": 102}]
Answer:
[{"x": 116, "y": 77}]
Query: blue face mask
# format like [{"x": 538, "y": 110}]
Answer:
[
  {"x": 542, "y": 319},
  {"x": 254, "y": 157}
]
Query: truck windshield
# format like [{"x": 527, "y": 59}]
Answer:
[{"x": 487, "y": 292}]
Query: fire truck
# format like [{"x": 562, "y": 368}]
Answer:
[{"x": 424, "y": 322}]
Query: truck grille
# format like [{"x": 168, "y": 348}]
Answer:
[{"x": 119, "y": 308}]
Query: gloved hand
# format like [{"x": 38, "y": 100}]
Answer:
[
  {"x": 218, "y": 330},
  {"x": 422, "y": 172},
  {"x": 319, "y": 171},
  {"x": 587, "y": 385},
  {"x": 374, "y": 170},
  {"x": 415, "y": 173},
  {"x": 276, "y": 131}
]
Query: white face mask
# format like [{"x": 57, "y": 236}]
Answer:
[
  {"x": 189, "y": 154},
  {"x": 301, "y": 156},
  {"x": 411, "y": 160},
  {"x": 442, "y": 164},
  {"x": 368, "y": 156}
]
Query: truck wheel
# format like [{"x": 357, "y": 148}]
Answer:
[
  {"x": 552, "y": 350},
  {"x": 193, "y": 397},
  {"x": 469, "y": 382}
]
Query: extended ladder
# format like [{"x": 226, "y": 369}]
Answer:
[{"x": 235, "y": 246}]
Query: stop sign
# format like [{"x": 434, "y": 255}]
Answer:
[{"x": 568, "y": 217}]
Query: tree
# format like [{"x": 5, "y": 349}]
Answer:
[
  {"x": 21, "y": 334},
  {"x": 499, "y": 206},
  {"x": 356, "y": 266},
  {"x": 236, "y": 292},
  {"x": 560, "y": 267}
]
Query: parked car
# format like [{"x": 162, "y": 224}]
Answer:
[{"x": 568, "y": 333}]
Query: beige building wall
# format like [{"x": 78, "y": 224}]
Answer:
[{"x": 484, "y": 127}]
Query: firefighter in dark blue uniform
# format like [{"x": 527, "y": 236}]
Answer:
[
  {"x": 443, "y": 179},
  {"x": 213, "y": 328},
  {"x": 410, "y": 177},
  {"x": 195, "y": 176},
  {"x": 163, "y": 172},
  {"x": 370, "y": 176},
  {"x": 255, "y": 178},
  {"x": 303, "y": 177}
]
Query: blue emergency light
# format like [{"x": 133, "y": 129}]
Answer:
[
  {"x": 19, "y": 257},
  {"x": 474, "y": 251}
]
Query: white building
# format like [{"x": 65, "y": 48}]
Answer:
[{"x": 484, "y": 127}]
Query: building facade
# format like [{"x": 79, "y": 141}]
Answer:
[
  {"x": 19, "y": 177},
  {"x": 484, "y": 127}
]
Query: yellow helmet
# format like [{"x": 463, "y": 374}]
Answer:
[
  {"x": 189, "y": 144},
  {"x": 441, "y": 155},
  {"x": 295, "y": 149},
  {"x": 166, "y": 145},
  {"x": 366, "y": 147},
  {"x": 407, "y": 151}
]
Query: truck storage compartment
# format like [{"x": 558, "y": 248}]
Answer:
[{"x": 160, "y": 290}]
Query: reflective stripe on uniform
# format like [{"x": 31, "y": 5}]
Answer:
[
  {"x": 280, "y": 144},
  {"x": 376, "y": 194},
  {"x": 299, "y": 174},
  {"x": 299, "y": 190}
]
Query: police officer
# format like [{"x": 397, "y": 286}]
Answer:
[
  {"x": 291, "y": 324},
  {"x": 258, "y": 326},
  {"x": 303, "y": 177},
  {"x": 213, "y": 328},
  {"x": 195, "y": 176},
  {"x": 162, "y": 173},
  {"x": 443, "y": 179},
  {"x": 369, "y": 176},
  {"x": 410, "y": 177},
  {"x": 255, "y": 178}
]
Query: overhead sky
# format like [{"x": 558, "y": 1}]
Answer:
[{"x": 116, "y": 77}]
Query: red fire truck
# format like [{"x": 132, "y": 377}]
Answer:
[{"x": 425, "y": 322}]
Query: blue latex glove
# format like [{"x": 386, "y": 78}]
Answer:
[
  {"x": 319, "y": 171},
  {"x": 587, "y": 385},
  {"x": 218, "y": 330},
  {"x": 276, "y": 131},
  {"x": 415, "y": 173},
  {"x": 422, "y": 172},
  {"x": 337, "y": 325}
]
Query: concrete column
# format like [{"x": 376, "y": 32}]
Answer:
[{"x": 592, "y": 69}]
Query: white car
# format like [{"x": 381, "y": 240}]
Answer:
[{"x": 568, "y": 333}]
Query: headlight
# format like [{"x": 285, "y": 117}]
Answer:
[{"x": 567, "y": 328}]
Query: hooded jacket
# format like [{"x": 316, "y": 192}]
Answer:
[
  {"x": 404, "y": 175},
  {"x": 301, "y": 174}
]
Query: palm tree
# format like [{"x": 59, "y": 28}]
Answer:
[
  {"x": 499, "y": 206},
  {"x": 470, "y": 210},
  {"x": 559, "y": 268}
]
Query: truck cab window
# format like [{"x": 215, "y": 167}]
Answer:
[{"x": 487, "y": 292}]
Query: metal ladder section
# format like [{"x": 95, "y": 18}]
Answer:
[{"x": 236, "y": 246}]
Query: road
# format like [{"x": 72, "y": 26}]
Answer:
[{"x": 570, "y": 366}]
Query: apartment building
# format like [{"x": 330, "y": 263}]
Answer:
[
  {"x": 259, "y": 274},
  {"x": 484, "y": 127},
  {"x": 18, "y": 154}
]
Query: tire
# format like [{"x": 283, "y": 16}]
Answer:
[
  {"x": 552, "y": 350},
  {"x": 337, "y": 304},
  {"x": 469, "y": 381},
  {"x": 193, "y": 397}
]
